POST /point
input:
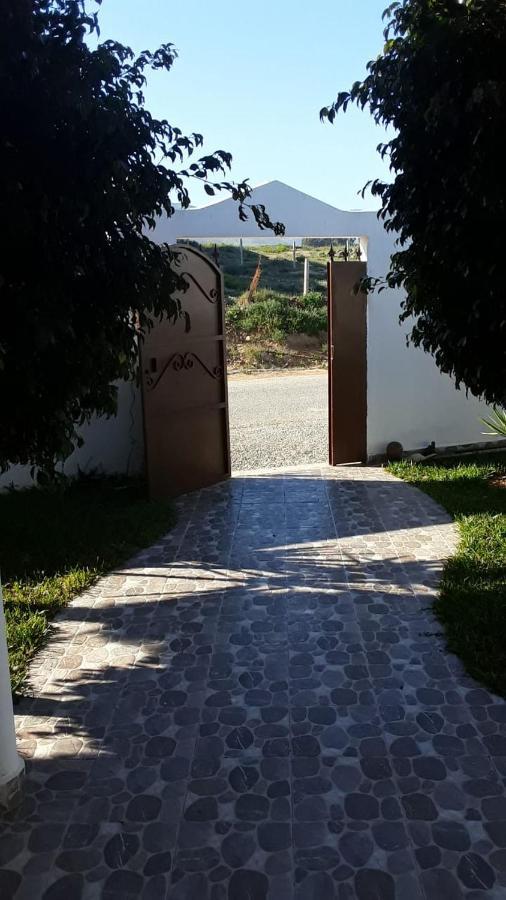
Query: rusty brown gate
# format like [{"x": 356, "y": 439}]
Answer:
[
  {"x": 347, "y": 363},
  {"x": 184, "y": 387}
]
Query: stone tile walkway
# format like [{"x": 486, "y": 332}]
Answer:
[{"x": 260, "y": 707}]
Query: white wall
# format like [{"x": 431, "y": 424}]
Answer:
[
  {"x": 111, "y": 446},
  {"x": 409, "y": 400},
  {"x": 302, "y": 216}
]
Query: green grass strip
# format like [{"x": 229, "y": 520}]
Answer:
[
  {"x": 472, "y": 601},
  {"x": 55, "y": 542}
]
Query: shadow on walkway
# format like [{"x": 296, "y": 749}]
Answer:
[{"x": 260, "y": 706}]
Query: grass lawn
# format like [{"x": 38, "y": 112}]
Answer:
[
  {"x": 472, "y": 603},
  {"x": 55, "y": 542}
]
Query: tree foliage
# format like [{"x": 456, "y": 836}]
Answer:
[
  {"x": 441, "y": 83},
  {"x": 85, "y": 170}
]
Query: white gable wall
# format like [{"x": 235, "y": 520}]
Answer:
[
  {"x": 408, "y": 398},
  {"x": 302, "y": 216}
]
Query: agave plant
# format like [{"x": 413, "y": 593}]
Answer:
[{"x": 496, "y": 422}]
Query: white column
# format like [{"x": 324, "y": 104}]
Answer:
[
  {"x": 11, "y": 764},
  {"x": 306, "y": 275}
]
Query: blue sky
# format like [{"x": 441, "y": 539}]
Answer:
[{"x": 252, "y": 79}]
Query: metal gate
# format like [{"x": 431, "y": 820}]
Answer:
[
  {"x": 347, "y": 363},
  {"x": 184, "y": 386}
]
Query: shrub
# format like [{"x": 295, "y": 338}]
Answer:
[
  {"x": 274, "y": 316},
  {"x": 439, "y": 87},
  {"x": 314, "y": 300},
  {"x": 86, "y": 171}
]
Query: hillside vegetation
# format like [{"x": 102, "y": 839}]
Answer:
[
  {"x": 270, "y": 323},
  {"x": 278, "y": 271}
]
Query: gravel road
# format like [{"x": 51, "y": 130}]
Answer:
[{"x": 278, "y": 420}]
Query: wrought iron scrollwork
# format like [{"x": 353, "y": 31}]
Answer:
[
  {"x": 179, "y": 259},
  {"x": 211, "y": 296},
  {"x": 178, "y": 362}
]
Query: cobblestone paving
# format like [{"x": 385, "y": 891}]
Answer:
[{"x": 260, "y": 707}]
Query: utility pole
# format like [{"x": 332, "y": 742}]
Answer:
[{"x": 306, "y": 275}]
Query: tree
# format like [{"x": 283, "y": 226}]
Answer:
[
  {"x": 84, "y": 172},
  {"x": 441, "y": 83}
]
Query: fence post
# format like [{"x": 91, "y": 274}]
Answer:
[
  {"x": 11, "y": 765},
  {"x": 306, "y": 276},
  {"x": 241, "y": 251},
  {"x": 293, "y": 255}
]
